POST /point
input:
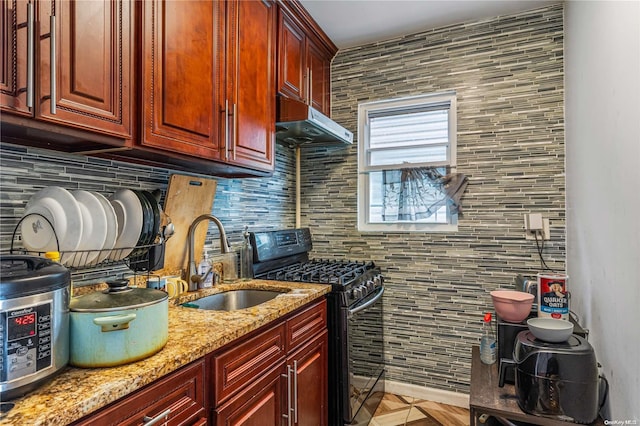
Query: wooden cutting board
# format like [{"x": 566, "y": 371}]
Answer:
[{"x": 187, "y": 198}]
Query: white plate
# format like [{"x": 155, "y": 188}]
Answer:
[
  {"x": 94, "y": 228},
  {"x": 112, "y": 227},
  {"x": 129, "y": 215},
  {"x": 60, "y": 207},
  {"x": 38, "y": 235}
]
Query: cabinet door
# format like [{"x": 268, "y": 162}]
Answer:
[
  {"x": 292, "y": 69},
  {"x": 310, "y": 387},
  {"x": 182, "y": 75},
  {"x": 14, "y": 54},
  {"x": 251, "y": 34},
  {"x": 90, "y": 82},
  {"x": 259, "y": 405},
  {"x": 319, "y": 74}
]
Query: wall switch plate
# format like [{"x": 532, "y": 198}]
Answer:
[
  {"x": 531, "y": 234},
  {"x": 533, "y": 222}
]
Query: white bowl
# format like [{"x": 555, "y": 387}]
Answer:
[{"x": 550, "y": 330}]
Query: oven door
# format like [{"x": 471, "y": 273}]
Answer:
[{"x": 365, "y": 357}]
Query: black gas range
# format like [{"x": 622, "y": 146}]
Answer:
[{"x": 354, "y": 316}]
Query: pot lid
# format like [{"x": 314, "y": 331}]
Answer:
[{"x": 118, "y": 297}]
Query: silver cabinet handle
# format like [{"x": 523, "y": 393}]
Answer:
[
  {"x": 309, "y": 97},
  {"x": 288, "y": 415},
  {"x": 295, "y": 391},
  {"x": 30, "y": 54},
  {"x": 310, "y": 83},
  {"x": 226, "y": 129},
  {"x": 150, "y": 421},
  {"x": 52, "y": 65},
  {"x": 235, "y": 129}
]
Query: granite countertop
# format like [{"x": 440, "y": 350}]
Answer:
[{"x": 193, "y": 334}]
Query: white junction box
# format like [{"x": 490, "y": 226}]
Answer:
[{"x": 534, "y": 224}]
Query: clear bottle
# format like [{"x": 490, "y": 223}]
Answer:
[
  {"x": 487, "y": 341},
  {"x": 246, "y": 257},
  {"x": 205, "y": 271}
]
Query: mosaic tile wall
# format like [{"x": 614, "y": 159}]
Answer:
[
  {"x": 508, "y": 75},
  {"x": 265, "y": 203}
]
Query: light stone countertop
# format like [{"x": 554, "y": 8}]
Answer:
[{"x": 193, "y": 334}]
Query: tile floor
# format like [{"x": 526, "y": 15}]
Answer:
[{"x": 397, "y": 410}]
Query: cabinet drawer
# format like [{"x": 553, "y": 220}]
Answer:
[
  {"x": 242, "y": 364},
  {"x": 180, "y": 395},
  {"x": 306, "y": 324}
]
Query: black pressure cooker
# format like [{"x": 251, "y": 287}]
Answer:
[{"x": 34, "y": 322}]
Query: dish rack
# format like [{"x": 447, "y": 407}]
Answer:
[{"x": 141, "y": 259}]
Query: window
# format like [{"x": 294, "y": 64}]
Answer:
[{"x": 403, "y": 145}]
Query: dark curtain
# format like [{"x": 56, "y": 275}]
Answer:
[{"x": 414, "y": 194}]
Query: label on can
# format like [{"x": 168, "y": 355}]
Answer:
[{"x": 553, "y": 298}]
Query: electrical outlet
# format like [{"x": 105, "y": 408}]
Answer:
[{"x": 531, "y": 234}]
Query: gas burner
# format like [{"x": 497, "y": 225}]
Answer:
[{"x": 324, "y": 271}]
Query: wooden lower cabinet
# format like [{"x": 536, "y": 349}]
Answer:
[
  {"x": 268, "y": 380},
  {"x": 177, "y": 399}
]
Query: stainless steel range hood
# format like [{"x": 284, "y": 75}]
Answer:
[{"x": 300, "y": 124}]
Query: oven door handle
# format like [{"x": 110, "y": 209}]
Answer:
[{"x": 366, "y": 305}]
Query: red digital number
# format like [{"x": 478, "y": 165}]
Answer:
[{"x": 26, "y": 320}]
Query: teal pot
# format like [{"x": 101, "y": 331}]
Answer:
[{"x": 117, "y": 326}]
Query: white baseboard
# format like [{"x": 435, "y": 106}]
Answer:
[{"x": 430, "y": 394}]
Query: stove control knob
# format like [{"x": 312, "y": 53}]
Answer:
[
  {"x": 363, "y": 290},
  {"x": 377, "y": 280},
  {"x": 370, "y": 285}
]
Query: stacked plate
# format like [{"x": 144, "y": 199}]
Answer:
[{"x": 87, "y": 228}]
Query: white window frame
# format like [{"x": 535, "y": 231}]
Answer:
[{"x": 364, "y": 168}]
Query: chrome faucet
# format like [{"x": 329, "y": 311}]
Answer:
[{"x": 192, "y": 276}]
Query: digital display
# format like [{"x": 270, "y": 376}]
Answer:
[
  {"x": 286, "y": 239},
  {"x": 22, "y": 326}
]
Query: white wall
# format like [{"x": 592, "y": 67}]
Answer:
[{"x": 602, "y": 81}]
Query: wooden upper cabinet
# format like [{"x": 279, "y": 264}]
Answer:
[
  {"x": 304, "y": 65},
  {"x": 319, "y": 78},
  {"x": 182, "y": 76},
  {"x": 90, "y": 81},
  {"x": 251, "y": 38},
  {"x": 14, "y": 55},
  {"x": 292, "y": 71}
]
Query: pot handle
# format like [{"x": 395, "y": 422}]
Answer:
[
  {"x": 114, "y": 322},
  {"x": 504, "y": 364}
]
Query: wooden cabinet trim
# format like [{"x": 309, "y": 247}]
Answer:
[{"x": 297, "y": 10}]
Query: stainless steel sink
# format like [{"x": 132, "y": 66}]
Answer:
[{"x": 233, "y": 300}]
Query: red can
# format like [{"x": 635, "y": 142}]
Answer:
[{"x": 553, "y": 298}]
